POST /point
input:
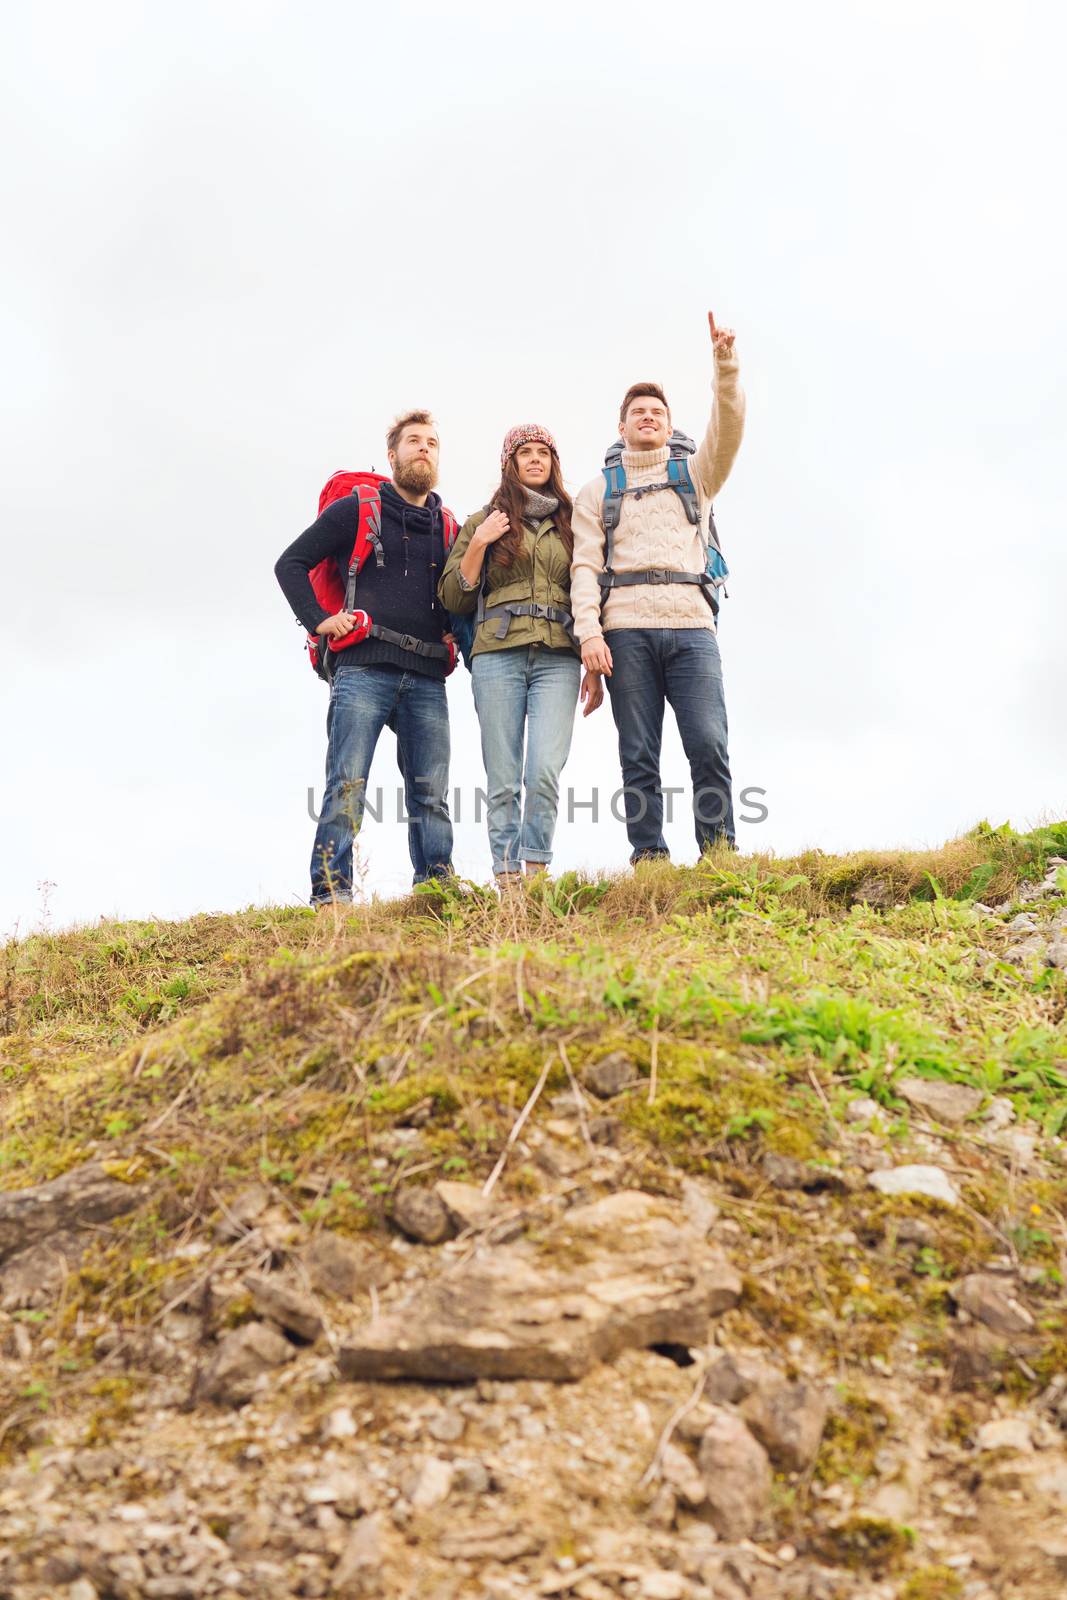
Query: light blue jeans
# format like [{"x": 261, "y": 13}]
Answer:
[{"x": 525, "y": 695}]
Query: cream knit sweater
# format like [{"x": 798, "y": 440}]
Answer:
[{"x": 654, "y": 531}]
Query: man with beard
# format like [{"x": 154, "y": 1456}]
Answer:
[{"x": 395, "y": 682}]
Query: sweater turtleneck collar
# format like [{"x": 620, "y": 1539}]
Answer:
[
  {"x": 645, "y": 460},
  {"x": 538, "y": 505},
  {"x": 419, "y": 517}
]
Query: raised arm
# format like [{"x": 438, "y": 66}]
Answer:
[
  {"x": 716, "y": 451},
  {"x": 468, "y": 556}
]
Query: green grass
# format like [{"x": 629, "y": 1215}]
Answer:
[{"x": 754, "y": 997}]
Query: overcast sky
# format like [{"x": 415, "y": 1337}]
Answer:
[{"x": 240, "y": 237}]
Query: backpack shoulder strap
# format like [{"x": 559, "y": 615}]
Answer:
[
  {"x": 611, "y": 509},
  {"x": 368, "y": 536}
]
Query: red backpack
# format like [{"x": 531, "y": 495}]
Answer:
[{"x": 334, "y": 596}]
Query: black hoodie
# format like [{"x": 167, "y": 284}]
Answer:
[{"x": 401, "y": 595}]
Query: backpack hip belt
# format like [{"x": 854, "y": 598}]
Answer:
[{"x": 517, "y": 608}]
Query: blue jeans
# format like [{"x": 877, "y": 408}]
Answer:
[
  {"x": 363, "y": 701},
  {"x": 526, "y": 691},
  {"x": 650, "y": 667}
]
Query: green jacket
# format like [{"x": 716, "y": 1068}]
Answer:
[{"x": 542, "y": 573}]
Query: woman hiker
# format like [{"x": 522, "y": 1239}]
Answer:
[{"x": 510, "y": 566}]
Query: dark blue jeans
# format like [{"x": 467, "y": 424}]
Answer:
[
  {"x": 363, "y": 701},
  {"x": 652, "y": 667}
]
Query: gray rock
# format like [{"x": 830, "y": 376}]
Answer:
[
  {"x": 447, "y": 1427},
  {"x": 1005, "y": 1433},
  {"x": 81, "y": 1198},
  {"x": 466, "y": 1205},
  {"x": 873, "y": 890},
  {"x": 507, "y": 1543},
  {"x": 999, "y": 1113},
  {"x": 1056, "y": 955},
  {"x": 423, "y": 1216},
  {"x": 733, "y": 1377},
  {"x": 701, "y": 1210},
  {"x": 786, "y": 1172},
  {"x": 788, "y": 1420},
  {"x": 1024, "y": 922},
  {"x": 610, "y": 1075},
  {"x": 623, "y": 1272},
  {"x": 286, "y": 1305},
  {"x": 359, "y": 1572},
  {"x": 948, "y": 1102},
  {"x": 240, "y": 1361},
  {"x": 989, "y": 1300},
  {"x": 737, "y": 1476},
  {"x": 1027, "y": 951},
  {"x": 922, "y": 1180},
  {"x": 430, "y": 1485},
  {"x": 862, "y": 1110},
  {"x": 346, "y": 1268},
  {"x": 34, "y": 1276}
]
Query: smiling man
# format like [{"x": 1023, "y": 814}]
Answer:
[
  {"x": 643, "y": 609},
  {"x": 391, "y": 674}
]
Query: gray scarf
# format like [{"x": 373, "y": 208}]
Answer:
[{"x": 538, "y": 505}]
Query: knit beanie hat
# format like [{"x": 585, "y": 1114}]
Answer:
[{"x": 525, "y": 433}]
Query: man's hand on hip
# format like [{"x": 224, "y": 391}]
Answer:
[{"x": 338, "y": 626}]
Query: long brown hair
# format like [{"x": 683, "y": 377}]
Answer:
[{"x": 510, "y": 497}]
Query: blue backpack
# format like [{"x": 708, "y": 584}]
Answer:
[{"x": 680, "y": 479}]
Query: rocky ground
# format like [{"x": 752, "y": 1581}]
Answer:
[{"x": 815, "y": 1355}]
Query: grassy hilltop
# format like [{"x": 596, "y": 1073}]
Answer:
[{"x": 264, "y": 1079}]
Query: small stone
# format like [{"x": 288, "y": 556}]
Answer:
[
  {"x": 466, "y": 1205},
  {"x": 701, "y": 1210},
  {"x": 340, "y": 1424},
  {"x": 284, "y": 1304},
  {"x": 345, "y": 1268},
  {"x": 1056, "y": 955},
  {"x": 344, "y": 1490},
  {"x": 1027, "y": 952},
  {"x": 1006, "y": 1433},
  {"x": 733, "y": 1377},
  {"x": 471, "y": 1477},
  {"x": 82, "y": 1589},
  {"x": 786, "y": 1172},
  {"x": 432, "y": 1484},
  {"x": 987, "y": 1300},
  {"x": 928, "y": 1181},
  {"x": 737, "y": 1476},
  {"x": 862, "y": 1110},
  {"x": 359, "y": 1571},
  {"x": 999, "y": 1113},
  {"x": 504, "y": 1544},
  {"x": 610, "y": 1075},
  {"x": 916, "y": 1230},
  {"x": 423, "y": 1216},
  {"x": 447, "y": 1427},
  {"x": 1023, "y": 922},
  {"x": 240, "y": 1362},
  {"x": 664, "y": 1586},
  {"x": 788, "y": 1420},
  {"x": 951, "y": 1103}
]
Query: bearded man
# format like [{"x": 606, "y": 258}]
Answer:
[{"x": 392, "y": 678}]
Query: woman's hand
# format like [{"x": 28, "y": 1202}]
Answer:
[
  {"x": 591, "y": 693},
  {"x": 493, "y": 528}
]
